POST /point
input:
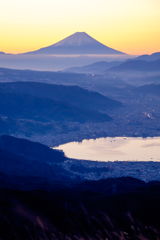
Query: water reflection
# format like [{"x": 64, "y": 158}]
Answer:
[{"x": 113, "y": 149}]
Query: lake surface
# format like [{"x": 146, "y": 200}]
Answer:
[{"x": 114, "y": 149}]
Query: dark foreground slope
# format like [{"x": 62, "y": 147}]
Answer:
[
  {"x": 30, "y": 165},
  {"x": 82, "y": 214},
  {"x": 40, "y": 200},
  {"x": 31, "y": 150}
]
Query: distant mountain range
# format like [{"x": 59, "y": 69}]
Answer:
[
  {"x": 138, "y": 65},
  {"x": 87, "y": 81},
  {"x": 95, "y": 68},
  {"x": 77, "y": 43},
  {"x": 152, "y": 57},
  {"x": 81, "y": 44}
]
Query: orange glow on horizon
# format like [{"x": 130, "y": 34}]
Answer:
[
  {"x": 128, "y": 47},
  {"x": 128, "y": 26}
]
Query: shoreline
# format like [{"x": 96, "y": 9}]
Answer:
[{"x": 146, "y": 171}]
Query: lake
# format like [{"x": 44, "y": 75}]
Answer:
[{"x": 114, "y": 149}]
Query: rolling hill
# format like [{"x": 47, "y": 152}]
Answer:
[
  {"x": 23, "y": 106},
  {"x": 72, "y": 95}
]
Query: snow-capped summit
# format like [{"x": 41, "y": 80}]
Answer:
[
  {"x": 76, "y": 39},
  {"x": 77, "y": 43}
]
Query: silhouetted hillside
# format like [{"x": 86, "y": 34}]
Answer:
[
  {"x": 30, "y": 165},
  {"x": 73, "y": 95},
  {"x": 111, "y": 186},
  {"x": 82, "y": 213},
  {"x": 22, "y": 106},
  {"x": 22, "y": 172},
  {"x": 32, "y": 150},
  {"x": 39, "y": 198}
]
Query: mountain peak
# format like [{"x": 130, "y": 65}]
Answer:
[
  {"x": 77, "y": 43},
  {"x": 76, "y": 39}
]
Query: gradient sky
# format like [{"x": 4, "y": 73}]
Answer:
[{"x": 130, "y": 26}]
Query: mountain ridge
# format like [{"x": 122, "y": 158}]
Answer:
[
  {"x": 24, "y": 106},
  {"x": 153, "y": 57},
  {"x": 96, "y": 68},
  {"x": 73, "y": 95},
  {"x": 138, "y": 65}
]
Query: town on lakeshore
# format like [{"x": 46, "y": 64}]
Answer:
[{"x": 139, "y": 117}]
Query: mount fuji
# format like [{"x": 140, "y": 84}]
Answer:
[{"x": 77, "y": 43}]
